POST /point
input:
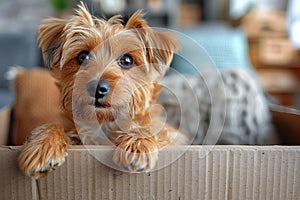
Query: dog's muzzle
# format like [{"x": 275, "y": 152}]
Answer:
[{"x": 98, "y": 89}]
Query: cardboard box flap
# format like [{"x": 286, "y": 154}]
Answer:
[
  {"x": 286, "y": 121},
  {"x": 202, "y": 172},
  {"x": 4, "y": 124},
  {"x": 13, "y": 185}
]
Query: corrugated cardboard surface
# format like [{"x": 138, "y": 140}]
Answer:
[{"x": 202, "y": 172}]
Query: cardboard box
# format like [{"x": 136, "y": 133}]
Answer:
[
  {"x": 276, "y": 51},
  {"x": 258, "y": 23},
  {"x": 286, "y": 120},
  {"x": 4, "y": 125},
  {"x": 201, "y": 172},
  {"x": 278, "y": 80},
  {"x": 190, "y": 14}
]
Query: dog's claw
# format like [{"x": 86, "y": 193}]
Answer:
[
  {"x": 127, "y": 168},
  {"x": 140, "y": 170},
  {"x": 143, "y": 162},
  {"x": 44, "y": 171},
  {"x": 52, "y": 163}
]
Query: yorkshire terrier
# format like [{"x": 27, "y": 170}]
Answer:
[{"x": 107, "y": 72}]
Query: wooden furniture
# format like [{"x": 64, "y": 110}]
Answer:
[{"x": 273, "y": 56}]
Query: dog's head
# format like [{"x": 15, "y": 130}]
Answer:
[{"x": 106, "y": 68}]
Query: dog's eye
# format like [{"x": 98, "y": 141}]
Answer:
[
  {"x": 125, "y": 61},
  {"x": 83, "y": 57}
]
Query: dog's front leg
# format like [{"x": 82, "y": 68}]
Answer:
[
  {"x": 135, "y": 154},
  {"x": 44, "y": 150}
]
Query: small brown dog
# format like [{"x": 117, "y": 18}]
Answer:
[{"x": 107, "y": 72}]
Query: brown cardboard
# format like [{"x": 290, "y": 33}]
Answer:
[
  {"x": 226, "y": 172},
  {"x": 4, "y": 123},
  {"x": 276, "y": 51},
  {"x": 202, "y": 172},
  {"x": 190, "y": 14},
  {"x": 287, "y": 81},
  {"x": 287, "y": 123},
  {"x": 264, "y": 24}
]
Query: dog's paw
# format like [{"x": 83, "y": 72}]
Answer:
[
  {"x": 136, "y": 155},
  {"x": 39, "y": 164},
  {"x": 44, "y": 151}
]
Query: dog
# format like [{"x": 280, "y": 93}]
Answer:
[{"x": 107, "y": 73}]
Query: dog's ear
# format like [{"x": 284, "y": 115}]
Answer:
[
  {"x": 160, "y": 46},
  {"x": 50, "y": 40},
  {"x": 83, "y": 16},
  {"x": 53, "y": 33}
]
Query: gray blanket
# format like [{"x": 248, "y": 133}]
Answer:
[{"x": 218, "y": 108}]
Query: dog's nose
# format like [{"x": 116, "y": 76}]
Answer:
[
  {"x": 98, "y": 89},
  {"x": 103, "y": 89}
]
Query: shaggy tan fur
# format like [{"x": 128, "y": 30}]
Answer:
[{"x": 126, "y": 113}]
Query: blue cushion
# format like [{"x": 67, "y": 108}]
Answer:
[{"x": 226, "y": 47}]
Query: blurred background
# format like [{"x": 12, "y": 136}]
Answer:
[{"x": 260, "y": 35}]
